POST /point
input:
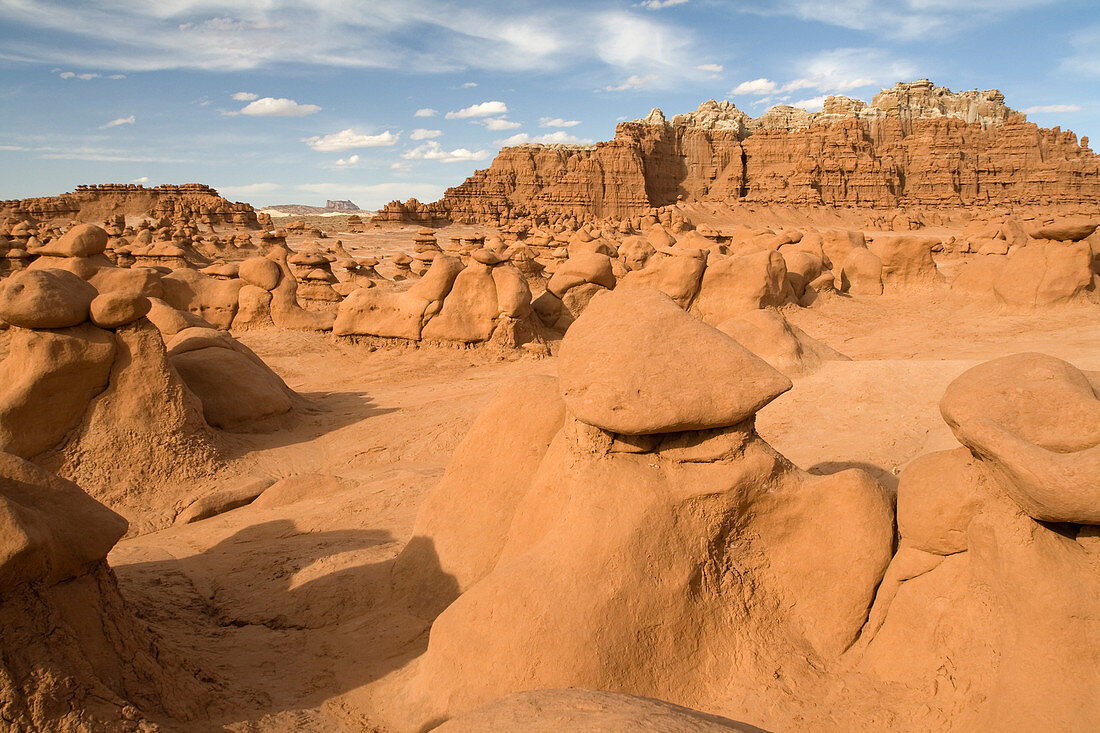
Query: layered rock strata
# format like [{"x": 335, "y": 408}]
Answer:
[{"x": 914, "y": 145}]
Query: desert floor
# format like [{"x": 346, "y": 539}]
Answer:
[{"x": 287, "y": 609}]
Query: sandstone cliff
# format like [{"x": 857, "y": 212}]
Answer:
[
  {"x": 914, "y": 145},
  {"x": 190, "y": 201}
]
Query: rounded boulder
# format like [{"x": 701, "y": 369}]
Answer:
[
  {"x": 45, "y": 299},
  {"x": 113, "y": 310}
]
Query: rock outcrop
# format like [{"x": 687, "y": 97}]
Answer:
[
  {"x": 92, "y": 203},
  {"x": 914, "y": 145}
]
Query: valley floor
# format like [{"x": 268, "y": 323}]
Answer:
[{"x": 286, "y": 608}]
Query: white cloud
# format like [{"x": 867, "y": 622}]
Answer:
[
  {"x": 658, "y": 4},
  {"x": 426, "y": 112},
  {"x": 814, "y": 104},
  {"x": 281, "y": 107},
  {"x": 245, "y": 96},
  {"x": 138, "y": 35},
  {"x": 117, "y": 76},
  {"x": 349, "y": 139},
  {"x": 905, "y": 19},
  {"x": 432, "y": 150},
  {"x": 484, "y": 109},
  {"x": 756, "y": 86},
  {"x": 421, "y": 134},
  {"x": 401, "y": 166},
  {"x": 1040, "y": 109},
  {"x": 498, "y": 124},
  {"x": 469, "y": 85},
  {"x": 118, "y": 121},
  {"x": 143, "y": 180},
  {"x": 554, "y": 138},
  {"x": 633, "y": 81},
  {"x": 712, "y": 68},
  {"x": 349, "y": 161},
  {"x": 557, "y": 122},
  {"x": 82, "y": 77}
]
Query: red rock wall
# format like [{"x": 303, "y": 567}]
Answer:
[{"x": 882, "y": 163}]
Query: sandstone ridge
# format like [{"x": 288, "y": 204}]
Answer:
[{"x": 915, "y": 144}]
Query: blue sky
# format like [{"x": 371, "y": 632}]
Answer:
[{"x": 288, "y": 101}]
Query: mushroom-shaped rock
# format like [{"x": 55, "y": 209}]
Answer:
[
  {"x": 486, "y": 256},
  {"x": 636, "y": 363},
  {"x": 261, "y": 272},
  {"x": 1034, "y": 420},
  {"x": 83, "y": 240},
  {"x": 113, "y": 310},
  {"x": 45, "y": 299}
]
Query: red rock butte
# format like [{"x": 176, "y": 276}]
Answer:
[{"x": 915, "y": 144}]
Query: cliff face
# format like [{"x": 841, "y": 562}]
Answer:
[
  {"x": 91, "y": 203},
  {"x": 914, "y": 145}
]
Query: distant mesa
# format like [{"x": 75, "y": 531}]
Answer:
[{"x": 330, "y": 207}]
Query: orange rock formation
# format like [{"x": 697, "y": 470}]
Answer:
[{"x": 915, "y": 145}]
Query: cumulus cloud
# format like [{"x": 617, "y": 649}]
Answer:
[
  {"x": 245, "y": 96},
  {"x": 557, "y": 122},
  {"x": 426, "y": 112},
  {"x": 143, "y": 180},
  {"x": 498, "y": 124},
  {"x": 348, "y": 161},
  {"x": 484, "y": 109},
  {"x": 560, "y": 137},
  {"x": 281, "y": 107},
  {"x": 634, "y": 81},
  {"x": 814, "y": 104},
  {"x": 118, "y": 121},
  {"x": 758, "y": 87},
  {"x": 432, "y": 150},
  {"x": 836, "y": 71},
  {"x": 1040, "y": 109},
  {"x": 421, "y": 134},
  {"x": 349, "y": 139},
  {"x": 82, "y": 77}
]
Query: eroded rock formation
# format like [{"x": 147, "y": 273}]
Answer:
[{"x": 914, "y": 145}]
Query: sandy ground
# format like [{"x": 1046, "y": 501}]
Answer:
[{"x": 286, "y": 609}]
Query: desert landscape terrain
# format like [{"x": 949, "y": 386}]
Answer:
[{"x": 779, "y": 423}]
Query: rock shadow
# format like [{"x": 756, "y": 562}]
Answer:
[
  {"x": 271, "y": 642},
  {"x": 318, "y": 414}
]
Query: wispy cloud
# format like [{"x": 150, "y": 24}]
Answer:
[
  {"x": 118, "y": 121},
  {"x": 245, "y": 96},
  {"x": 658, "y": 4},
  {"x": 349, "y": 139},
  {"x": 421, "y": 134},
  {"x": 136, "y": 35},
  {"x": 143, "y": 180},
  {"x": 895, "y": 18},
  {"x": 432, "y": 150},
  {"x": 498, "y": 124},
  {"x": 1041, "y": 109},
  {"x": 557, "y": 122},
  {"x": 634, "y": 81},
  {"x": 554, "y": 138},
  {"x": 426, "y": 112},
  {"x": 484, "y": 109},
  {"x": 835, "y": 71}
]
